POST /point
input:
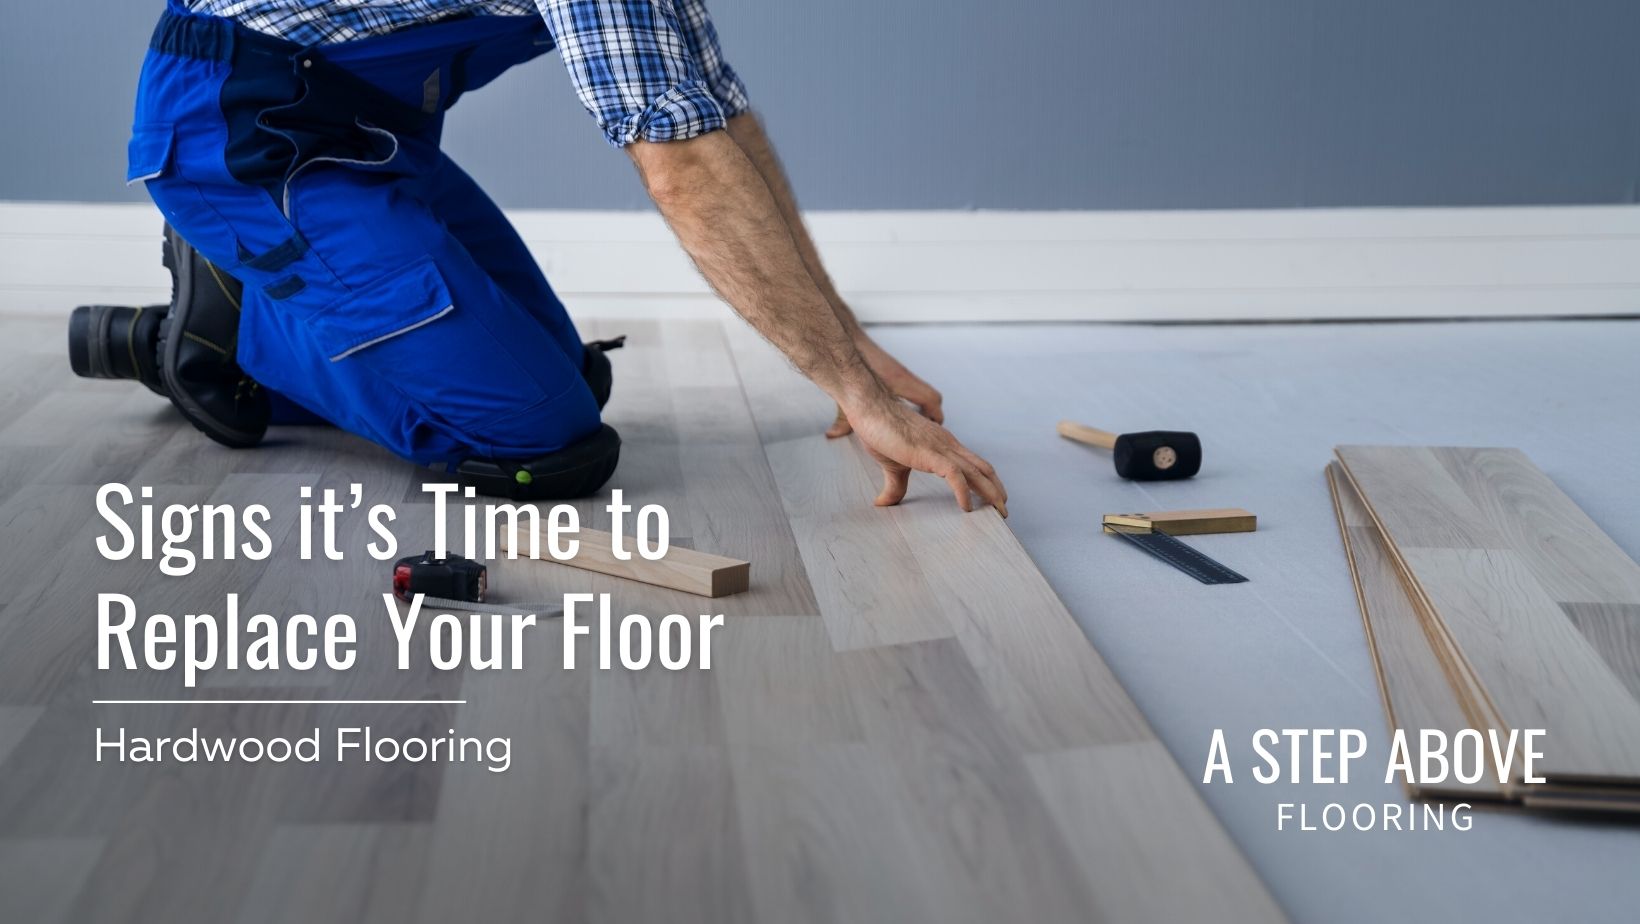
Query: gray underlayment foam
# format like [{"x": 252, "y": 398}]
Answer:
[{"x": 1287, "y": 650}]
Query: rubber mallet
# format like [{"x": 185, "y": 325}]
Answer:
[{"x": 1156, "y": 455}]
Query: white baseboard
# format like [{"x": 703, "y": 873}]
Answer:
[{"x": 994, "y": 266}]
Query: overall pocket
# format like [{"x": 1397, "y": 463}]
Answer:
[
  {"x": 149, "y": 153},
  {"x": 391, "y": 307},
  {"x": 151, "y": 159},
  {"x": 407, "y": 331}
]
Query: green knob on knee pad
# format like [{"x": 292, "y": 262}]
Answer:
[{"x": 577, "y": 470}]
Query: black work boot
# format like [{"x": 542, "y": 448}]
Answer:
[
  {"x": 117, "y": 342},
  {"x": 198, "y": 342},
  {"x": 596, "y": 370}
]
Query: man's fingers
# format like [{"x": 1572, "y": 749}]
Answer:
[
  {"x": 840, "y": 426},
  {"x": 932, "y": 406},
  {"x": 990, "y": 489},
  {"x": 895, "y": 480},
  {"x": 959, "y": 486},
  {"x": 984, "y": 468},
  {"x": 928, "y": 402}
]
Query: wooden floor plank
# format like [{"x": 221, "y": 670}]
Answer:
[
  {"x": 46, "y": 626},
  {"x": 40, "y": 877},
  {"x": 979, "y": 822},
  {"x": 149, "y": 870},
  {"x": 733, "y": 506},
  {"x": 1614, "y": 631},
  {"x": 1418, "y": 685},
  {"x": 1031, "y": 683},
  {"x": 819, "y": 822},
  {"x": 1413, "y": 497},
  {"x": 663, "y": 836},
  {"x": 1051, "y": 686},
  {"x": 504, "y": 842},
  {"x": 337, "y": 874},
  {"x": 1041, "y": 672},
  {"x": 1118, "y": 807},
  {"x": 15, "y": 722},
  {"x": 1574, "y": 560},
  {"x": 869, "y": 585},
  {"x": 664, "y": 839},
  {"x": 45, "y": 795},
  {"x": 867, "y": 582},
  {"x": 819, "y": 807},
  {"x": 1479, "y": 575}
]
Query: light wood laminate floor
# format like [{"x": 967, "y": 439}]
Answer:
[{"x": 903, "y": 722}]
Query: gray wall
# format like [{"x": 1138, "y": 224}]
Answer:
[{"x": 1085, "y": 104}]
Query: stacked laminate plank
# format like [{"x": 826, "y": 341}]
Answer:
[{"x": 1491, "y": 601}]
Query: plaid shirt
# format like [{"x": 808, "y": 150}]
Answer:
[{"x": 645, "y": 69}]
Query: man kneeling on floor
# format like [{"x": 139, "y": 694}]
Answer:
[{"x": 330, "y": 260}]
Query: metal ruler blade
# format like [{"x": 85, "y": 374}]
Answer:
[{"x": 1179, "y": 555}]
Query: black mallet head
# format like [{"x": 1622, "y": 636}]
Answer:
[{"x": 1157, "y": 455}]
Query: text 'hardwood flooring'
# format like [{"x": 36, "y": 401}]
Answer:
[{"x": 901, "y": 723}]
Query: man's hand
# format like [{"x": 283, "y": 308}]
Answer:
[
  {"x": 738, "y": 233},
  {"x": 901, "y": 441},
  {"x": 900, "y": 380}
]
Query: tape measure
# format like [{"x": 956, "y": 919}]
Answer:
[
  {"x": 1176, "y": 553},
  {"x": 454, "y": 584},
  {"x": 449, "y": 578}
]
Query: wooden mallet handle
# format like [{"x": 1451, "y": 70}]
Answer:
[{"x": 1084, "y": 434}]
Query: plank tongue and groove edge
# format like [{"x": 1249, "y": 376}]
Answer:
[
  {"x": 951, "y": 608},
  {"x": 1414, "y": 678},
  {"x": 1476, "y": 533},
  {"x": 682, "y": 569}
]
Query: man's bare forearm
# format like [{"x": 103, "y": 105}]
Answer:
[
  {"x": 725, "y": 215},
  {"x": 748, "y": 133}
]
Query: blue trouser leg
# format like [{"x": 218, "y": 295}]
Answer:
[
  {"x": 382, "y": 290},
  {"x": 413, "y": 344},
  {"x": 285, "y": 412},
  {"x": 490, "y": 239},
  {"x": 476, "y": 221}
]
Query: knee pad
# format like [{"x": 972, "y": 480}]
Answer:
[{"x": 577, "y": 470}]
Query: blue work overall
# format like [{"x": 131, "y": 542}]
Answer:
[{"x": 383, "y": 290}]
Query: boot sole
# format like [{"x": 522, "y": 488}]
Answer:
[
  {"x": 90, "y": 344},
  {"x": 181, "y": 266}
]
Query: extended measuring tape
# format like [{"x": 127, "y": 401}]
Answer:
[{"x": 1177, "y": 554}]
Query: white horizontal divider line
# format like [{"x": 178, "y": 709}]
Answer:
[{"x": 269, "y": 702}]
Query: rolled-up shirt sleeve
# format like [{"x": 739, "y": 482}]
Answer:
[
  {"x": 703, "y": 44},
  {"x": 648, "y": 70}
]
